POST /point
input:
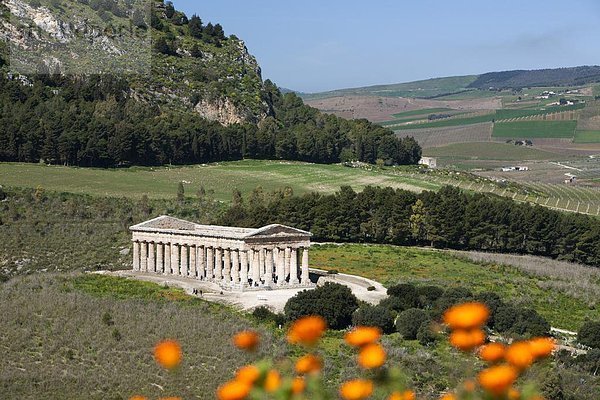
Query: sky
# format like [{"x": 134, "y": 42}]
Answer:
[{"x": 318, "y": 45}]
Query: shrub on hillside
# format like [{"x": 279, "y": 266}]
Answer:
[
  {"x": 392, "y": 303},
  {"x": 409, "y": 322},
  {"x": 406, "y": 293},
  {"x": 589, "y": 334},
  {"x": 264, "y": 314},
  {"x": 332, "y": 301},
  {"x": 427, "y": 295},
  {"x": 379, "y": 316},
  {"x": 426, "y": 335},
  {"x": 451, "y": 297},
  {"x": 530, "y": 323}
]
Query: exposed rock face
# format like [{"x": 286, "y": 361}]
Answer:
[{"x": 222, "y": 111}]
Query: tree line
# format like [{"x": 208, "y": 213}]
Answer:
[
  {"x": 449, "y": 218},
  {"x": 93, "y": 121}
]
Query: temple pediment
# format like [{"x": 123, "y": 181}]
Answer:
[{"x": 277, "y": 231}]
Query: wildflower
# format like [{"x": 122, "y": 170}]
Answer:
[
  {"x": 513, "y": 394},
  {"x": 467, "y": 340},
  {"x": 371, "y": 356},
  {"x": 272, "y": 381},
  {"x": 248, "y": 374},
  {"x": 466, "y": 316},
  {"x": 469, "y": 385},
  {"x": 498, "y": 379},
  {"x": 541, "y": 347},
  {"x": 138, "y": 397},
  {"x": 168, "y": 353},
  {"x": 170, "y": 398},
  {"x": 519, "y": 355},
  {"x": 246, "y": 340},
  {"x": 298, "y": 385},
  {"x": 307, "y": 330},
  {"x": 362, "y": 336},
  {"x": 492, "y": 352},
  {"x": 233, "y": 390},
  {"x": 448, "y": 396},
  {"x": 357, "y": 389},
  {"x": 308, "y": 364},
  {"x": 406, "y": 395}
]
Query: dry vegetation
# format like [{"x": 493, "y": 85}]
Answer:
[{"x": 436, "y": 137}]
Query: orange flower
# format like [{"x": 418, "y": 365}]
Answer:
[
  {"x": 170, "y": 398},
  {"x": 272, "y": 381},
  {"x": 357, "y": 389},
  {"x": 492, "y": 352},
  {"x": 362, "y": 336},
  {"x": 371, "y": 356},
  {"x": 467, "y": 340},
  {"x": 298, "y": 385},
  {"x": 541, "y": 347},
  {"x": 308, "y": 364},
  {"x": 233, "y": 390},
  {"x": 469, "y": 385},
  {"x": 138, "y": 397},
  {"x": 168, "y": 353},
  {"x": 248, "y": 374},
  {"x": 246, "y": 340},
  {"x": 466, "y": 316},
  {"x": 307, "y": 330},
  {"x": 519, "y": 355},
  {"x": 448, "y": 396},
  {"x": 498, "y": 379},
  {"x": 513, "y": 394},
  {"x": 406, "y": 395}
]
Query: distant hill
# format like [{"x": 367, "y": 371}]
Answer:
[{"x": 440, "y": 87}]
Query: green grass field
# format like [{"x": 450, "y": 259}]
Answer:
[
  {"x": 587, "y": 137},
  {"x": 597, "y": 90},
  {"x": 451, "y": 122},
  {"x": 221, "y": 177},
  {"x": 423, "y": 111},
  {"x": 535, "y": 129},
  {"x": 390, "y": 265},
  {"x": 487, "y": 151}
]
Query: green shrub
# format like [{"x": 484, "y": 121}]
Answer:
[
  {"x": 409, "y": 322},
  {"x": 332, "y": 301},
  {"x": 393, "y": 303},
  {"x": 264, "y": 314},
  {"x": 426, "y": 335},
  {"x": 407, "y": 294},
  {"x": 589, "y": 334},
  {"x": 379, "y": 316},
  {"x": 530, "y": 323},
  {"x": 428, "y": 295}
]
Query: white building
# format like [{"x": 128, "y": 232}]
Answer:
[{"x": 431, "y": 162}]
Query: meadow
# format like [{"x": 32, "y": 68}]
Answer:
[
  {"x": 535, "y": 129},
  {"x": 487, "y": 151},
  {"x": 587, "y": 137}
]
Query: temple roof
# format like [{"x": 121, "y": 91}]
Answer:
[{"x": 168, "y": 224}]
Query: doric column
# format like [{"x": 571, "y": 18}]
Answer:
[
  {"x": 193, "y": 273},
  {"x": 235, "y": 267},
  {"x": 167, "y": 259},
  {"x": 269, "y": 266},
  {"x": 244, "y": 268},
  {"x": 174, "y": 259},
  {"x": 227, "y": 265},
  {"x": 160, "y": 264},
  {"x": 210, "y": 263},
  {"x": 151, "y": 258},
  {"x": 305, "y": 278},
  {"x": 280, "y": 267},
  {"x": 218, "y": 264},
  {"x": 136, "y": 256},
  {"x": 201, "y": 260},
  {"x": 286, "y": 263},
  {"x": 261, "y": 264},
  {"x": 255, "y": 267},
  {"x": 185, "y": 266},
  {"x": 144, "y": 257},
  {"x": 294, "y": 267}
]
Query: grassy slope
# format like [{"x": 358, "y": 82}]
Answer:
[
  {"x": 488, "y": 151},
  {"x": 390, "y": 265},
  {"x": 222, "y": 178},
  {"x": 587, "y": 137},
  {"x": 451, "y": 122},
  {"x": 535, "y": 129}
]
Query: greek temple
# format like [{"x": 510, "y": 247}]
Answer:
[{"x": 274, "y": 256}]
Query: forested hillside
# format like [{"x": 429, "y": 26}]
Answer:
[
  {"x": 538, "y": 78},
  {"x": 204, "y": 100}
]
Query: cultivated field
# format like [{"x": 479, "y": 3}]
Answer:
[
  {"x": 435, "y": 137},
  {"x": 487, "y": 151},
  {"x": 535, "y": 129},
  {"x": 587, "y": 137}
]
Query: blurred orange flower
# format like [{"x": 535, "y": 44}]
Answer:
[
  {"x": 298, "y": 385},
  {"x": 466, "y": 316},
  {"x": 469, "y": 385},
  {"x": 233, "y": 390},
  {"x": 541, "y": 347},
  {"x": 492, "y": 352},
  {"x": 448, "y": 396},
  {"x": 170, "y": 398},
  {"x": 362, "y": 336},
  {"x": 308, "y": 364},
  {"x": 406, "y": 395},
  {"x": 519, "y": 355},
  {"x": 137, "y": 397},
  {"x": 356, "y": 389},
  {"x": 248, "y": 374},
  {"x": 498, "y": 379},
  {"x": 168, "y": 353},
  {"x": 467, "y": 340},
  {"x": 513, "y": 394},
  {"x": 371, "y": 356},
  {"x": 272, "y": 381},
  {"x": 246, "y": 340},
  {"x": 307, "y": 330}
]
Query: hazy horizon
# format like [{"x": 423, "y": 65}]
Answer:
[{"x": 314, "y": 46}]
